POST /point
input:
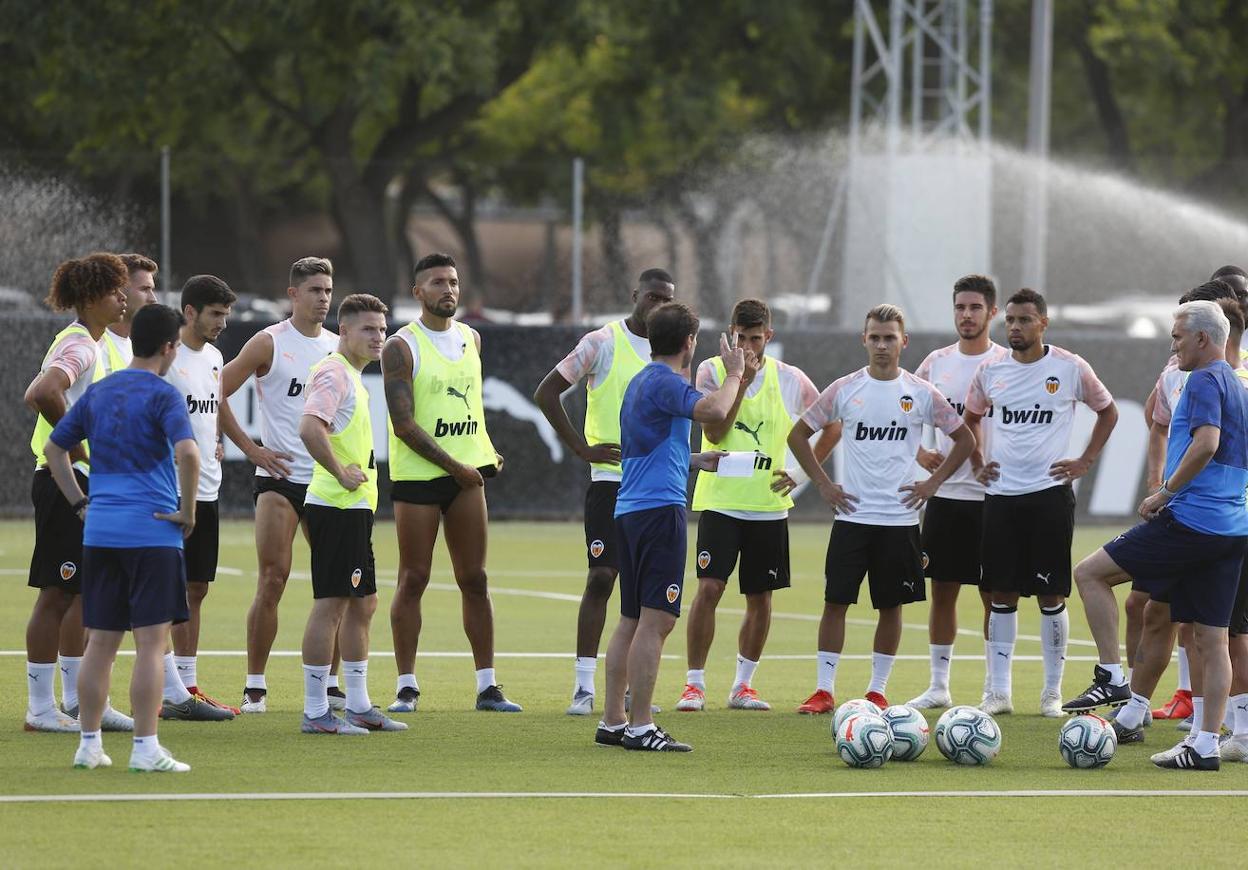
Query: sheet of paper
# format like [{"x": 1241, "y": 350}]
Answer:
[{"x": 737, "y": 464}]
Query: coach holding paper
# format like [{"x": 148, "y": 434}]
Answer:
[{"x": 134, "y": 577}]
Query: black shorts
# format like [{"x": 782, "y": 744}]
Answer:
[
  {"x": 200, "y": 549},
  {"x": 888, "y": 555},
  {"x": 951, "y": 540},
  {"x": 1026, "y": 542},
  {"x": 342, "y": 552},
  {"x": 56, "y": 562},
  {"x": 1198, "y": 574},
  {"x": 295, "y": 493},
  {"x": 763, "y": 546},
  {"x": 652, "y": 559},
  {"x": 600, "y": 539},
  {"x": 132, "y": 587},
  {"x": 440, "y": 491}
]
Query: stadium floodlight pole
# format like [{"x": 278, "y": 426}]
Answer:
[
  {"x": 578, "y": 237},
  {"x": 1037, "y": 201},
  {"x": 166, "y": 241}
]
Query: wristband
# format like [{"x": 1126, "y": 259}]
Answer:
[
  {"x": 1167, "y": 491},
  {"x": 81, "y": 503}
]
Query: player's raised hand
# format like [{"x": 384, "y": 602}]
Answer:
[
  {"x": 752, "y": 366},
  {"x": 988, "y": 472},
  {"x": 838, "y": 499},
  {"x": 272, "y": 461},
  {"x": 598, "y": 453},
  {"x": 352, "y": 477},
  {"x": 1067, "y": 470},
  {"x": 930, "y": 460},
  {"x": 733, "y": 357}
]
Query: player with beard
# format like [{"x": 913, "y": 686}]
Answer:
[
  {"x": 279, "y": 357},
  {"x": 140, "y": 291},
  {"x": 607, "y": 360},
  {"x": 196, "y": 375},
  {"x": 440, "y": 456},
  {"x": 953, "y": 521},
  {"x": 94, "y": 289},
  {"x": 1029, "y": 508}
]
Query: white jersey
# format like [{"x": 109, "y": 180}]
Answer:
[
  {"x": 120, "y": 345},
  {"x": 281, "y": 393},
  {"x": 1169, "y": 387},
  {"x": 950, "y": 371},
  {"x": 883, "y": 427},
  {"x": 1035, "y": 410},
  {"x": 196, "y": 374}
]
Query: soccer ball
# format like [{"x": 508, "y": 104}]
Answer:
[
  {"x": 864, "y": 741},
  {"x": 843, "y": 712},
  {"x": 909, "y": 730},
  {"x": 968, "y": 735},
  {"x": 1087, "y": 741}
]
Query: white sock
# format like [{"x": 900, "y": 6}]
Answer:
[
  {"x": 356, "y": 675},
  {"x": 1228, "y": 717},
  {"x": 256, "y": 681},
  {"x": 745, "y": 671},
  {"x": 145, "y": 747},
  {"x": 1238, "y": 704},
  {"x": 605, "y": 727},
  {"x": 942, "y": 660},
  {"x": 1054, "y": 634},
  {"x": 39, "y": 690},
  {"x": 175, "y": 692},
  {"x": 406, "y": 681},
  {"x": 1185, "y": 675},
  {"x": 69, "y": 680},
  {"x": 1132, "y": 715},
  {"x": 1206, "y": 743},
  {"x": 188, "y": 670},
  {"x": 331, "y": 682},
  {"x": 88, "y": 739},
  {"x": 987, "y": 667},
  {"x": 1198, "y": 713},
  {"x": 1116, "y": 676},
  {"x": 315, "y": 699},
  {"x": 586, "y": 667},
  {"x": 696, "y": 677},
  {"x": 1002, "y": 633},
  {"x": 826, "y": 677},
  {"x": 881, "y": 667},
  {"x": 485, "y": 679},
  {"x": 640, "y": 730}
]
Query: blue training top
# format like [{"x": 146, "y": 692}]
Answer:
[
  {"x": 132, "y": 419},
  {"x": 655, "y": 419},
  {"x": 1213, "y": 502}
]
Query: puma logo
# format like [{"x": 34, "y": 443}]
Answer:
[
  {"x": 451, "y": 391},
  {"x": 1044, "y": 578},
  {"x": 318, "y": 677},
  {"x": 753, "y": 433},
  {"x": 909, "y": 584},
  {"x": 774, "y": 573},
  {"x": 1003, "y": 655}
]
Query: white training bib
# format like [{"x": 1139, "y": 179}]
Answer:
[{"x": 281, "y": 393}]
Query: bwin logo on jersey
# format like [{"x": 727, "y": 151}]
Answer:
[
  {"x": 441, "y": 428},
  {"x": 1052, "y": 385},
  {"x": 1027, "y": 415},
  {"x": 295, "y": 389},
  {"x": 753, "y": 433},
  {"x": 202, "y": 406},
  {"x": 891, "y": 432},
  {"x": 907, "y": 404}
]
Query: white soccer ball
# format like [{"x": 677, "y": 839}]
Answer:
[
  {"x": 1087, "y": 741},
  {"x": 909, "y": 730},
  {"x": 968, "y": 735},
  {"x": 843, "y": 712},
  {"x": 864, "y": 741}
]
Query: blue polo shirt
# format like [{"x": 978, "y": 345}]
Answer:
[
  {"x": 1213, "y": 502},
  {"x": 132, "y": 419},
  {"x": 655, "y": 421}
]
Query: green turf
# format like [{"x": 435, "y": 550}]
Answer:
[{"x": 450, "y": 748}]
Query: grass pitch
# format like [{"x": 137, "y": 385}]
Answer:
[{"x": 468, "y": 788}]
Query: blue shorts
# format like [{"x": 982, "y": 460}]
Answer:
[
  {"x": 652, "y": 551},
  {"x": 1197, "y": 573},
  {"x": 132, "y": 587}
]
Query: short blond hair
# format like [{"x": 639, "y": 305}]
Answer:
[{"x": 885, "y": 313}]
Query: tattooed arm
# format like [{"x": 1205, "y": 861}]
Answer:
[{"x": 396, "y": 375}]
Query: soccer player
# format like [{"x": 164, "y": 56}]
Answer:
[
  {"x": 440, "y": 455},
  {"x": 1189, "y": 548},
  {"x": 746, "y": 518},
  {"x": 94, "y": 289},
  {"x": 650, "y": 517},
  {"x": 279, "y": 357},
  {"x": 337, "y": 430},
  {"x": 606, "y": 359},
  {"x": 1029, "y": 509},
  {"x": 138, "y": 428},
  {"x": 954, "y": 517},
  {"x": 196, "y": 375},
  {"x": 876, "y": 531},
  {"x": 140, "y": 291}
]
